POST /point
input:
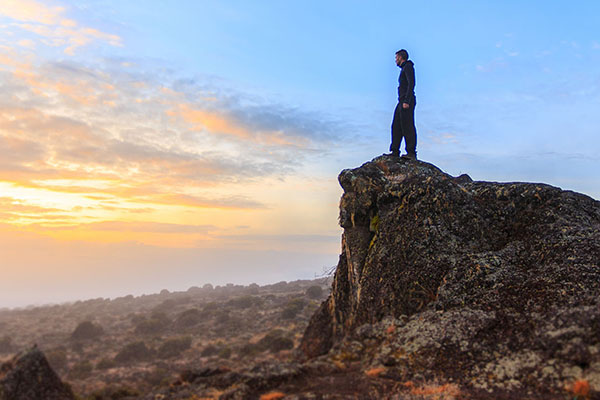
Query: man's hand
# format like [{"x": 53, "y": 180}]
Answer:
[{"x": 405, "y": 105}]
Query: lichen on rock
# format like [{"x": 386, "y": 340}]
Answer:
[{"x": 495, "y": 280}]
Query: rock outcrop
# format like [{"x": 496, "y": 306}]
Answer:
[
  {"x": 28, "y": 376},
  {"x": 494, "y": 286}
]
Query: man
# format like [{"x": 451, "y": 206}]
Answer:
[{"x": 403, "y": 124}]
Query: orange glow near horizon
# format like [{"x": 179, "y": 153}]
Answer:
[
  {"x": 114, "y": 180},
  {"x": 70, "y": 173}
]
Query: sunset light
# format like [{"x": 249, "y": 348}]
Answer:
[{"x": 135, "y": 137}]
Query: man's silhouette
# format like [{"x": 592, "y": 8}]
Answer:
[{"x": 403, "y": 124}]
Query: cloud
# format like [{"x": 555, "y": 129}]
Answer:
[
  {"x": 14, "y": 206},
  {"x": 26, "y": 43},
  {"x": 108, "y": 142},
  {"x": 32, "y": 11},
  {"x": 442, "y": 138},
  {"x": 143, "y": 227},
  {"x": 52, "y": 26},
  {"x": 284, "y": 238}
]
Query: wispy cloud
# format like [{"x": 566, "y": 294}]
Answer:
[
  {"x": 52, "y": 26},
  {"x": 107, "y": 141},
  {"x": 135, "y": 226},
  {"x": 32, "y": 11}
]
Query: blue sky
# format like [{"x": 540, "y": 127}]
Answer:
[
  {"x": 200, "y": 141},
  {"x": 511, "y": 82}
]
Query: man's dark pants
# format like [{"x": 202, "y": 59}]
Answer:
[{"x": 403, "y": 126}]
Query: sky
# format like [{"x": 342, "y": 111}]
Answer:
[{"x": 149, "y": 145}]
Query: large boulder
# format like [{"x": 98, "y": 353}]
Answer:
[
  {"x": 479, "y": 278},
  {"x": 28, "y": 376}
]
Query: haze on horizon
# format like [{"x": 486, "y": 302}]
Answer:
[{"x": 145, "y": 146}]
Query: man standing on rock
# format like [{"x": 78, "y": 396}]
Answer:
[{"x": 403, "y": 124}]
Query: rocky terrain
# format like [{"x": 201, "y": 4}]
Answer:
[
  {"x": 445, "y": 288},
  {"x": 132, "y": 346}
]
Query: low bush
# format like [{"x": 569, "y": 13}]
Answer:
[
  {"x": 57, "y": 358},
  {"x": 243, "y": 302},
  {"x": 6, "y": 345},
  {"x": 133, "y": 352},
  {"x": 314, "y": 292},
  {"x": 224, "y": 352},
  {"x": 188, "y": 318},
  {"x": 114, "y": 393},
  {"x": 81, "y": 370},
  {"x": 209, "y": 350},
  {"x": 292, "y": 308},
  {"x": 87, "y": 330},
  {"x": 275, "y": 341},
  {"x": 151, "y": 326},
  {"x": 174, "y": 347},
  {"x": 106, "y": 363}
]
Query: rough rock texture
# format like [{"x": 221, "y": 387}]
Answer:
[
  {"x": 30, "y": 377},
  {"x": 493, "y": 285}
]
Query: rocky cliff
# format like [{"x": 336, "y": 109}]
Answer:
[{"x": 492, "y": 285}]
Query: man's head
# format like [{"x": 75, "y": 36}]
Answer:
[{"x": 401, "y": 56}]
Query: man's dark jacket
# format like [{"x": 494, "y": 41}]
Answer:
[{"x": 406, "y": 81}]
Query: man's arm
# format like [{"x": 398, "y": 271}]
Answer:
[{"x": 409, "y": 71}]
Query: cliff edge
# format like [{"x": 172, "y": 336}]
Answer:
[{"x": 495, "y": 284}]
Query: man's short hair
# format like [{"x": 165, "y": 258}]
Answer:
[{"x": 402, "y": 53}]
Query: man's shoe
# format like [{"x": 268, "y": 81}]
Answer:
[
  {"x": 412, "y": 156},
  {"x": 393, "y": 154}
]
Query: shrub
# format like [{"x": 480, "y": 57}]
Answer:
[
  {"x": 174, "y": 347},
  {"x": 136, "y": 318},
  {"x": 292, "y": 308},
  {"x": 223, "y": 317},
  {"x": 57, "y": 358},
  {"x": 133, "y": 352},
  {"x": 314, "y": 292},
  {"x": 209, "y": 350},
  {"x": 224, "y": 352},
  {"x": 249, "y": 350},
  {"x": 274, "y": 341},
  {"x": 77, "y": 346},
  {"x": 87, "y": 330},
  {"x": 158, "y": 376},
  {"x": 160, "y": 316},
  {"x": 6, "y": 345},
  {"x": 113, "y": 393},
  {"x": 210, "y": 306},
  {"x": 170, "y": 303},
  {"x": 188, "y": 318},
  {"x": 241, "y": 302},
  {"x": 81, "y": 370},
  {"x": 253, "y": 288},
  {"x": 106, "y": 363},
  {"x": 150, "y": 326}
]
